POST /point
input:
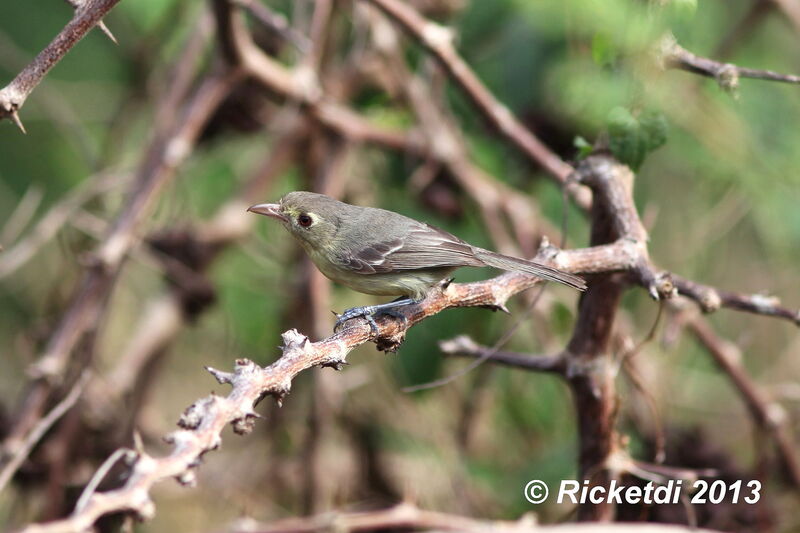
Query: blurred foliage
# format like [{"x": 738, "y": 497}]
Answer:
[{"x": 720, "y": 197}]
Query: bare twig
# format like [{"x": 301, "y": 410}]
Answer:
[
  {"x": 160, "y": 164},
  {"x": 294, "y": 85},
  {"x": 408, "y": 517},
  {"x": 711, "y": 299},
  {"x": 466, "y": 347},
  {"x": 438, "y": 40},
  {"x": 51, "y": 223},
  {"x": 168, "y": 313},
  {"x": 204, "y": 420},
  {"x": 320, "y": 26},
  {"x": 276, "y": 22},
  {"x": 673, "y": 55},
  {"x": 768, "y": 415},
  {"x": 13, "y": 95},
  {"x": 38, "y": 431},
  {"x": 101, "y": 473}
]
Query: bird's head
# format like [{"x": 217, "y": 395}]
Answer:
[{"x": 310, "y": 217}]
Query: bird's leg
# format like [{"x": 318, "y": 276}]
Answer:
[{"x": 368, "y": 311}]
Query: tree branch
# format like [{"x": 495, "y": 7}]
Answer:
[
  {"x": 673, "y": 55},
  {"x": 465, "y": 347},
  {"x": 408, "y": 517},
  {"x": 768, "y": 415},
  {"x": 87, "y": 15},
  {"x": 160, "y": 163},
  {"x": 438, "y": 40},
  {"x": 297, "y": 86},
  {"x": 79, "y": 4},
  {"x": 711, "y": 299}
]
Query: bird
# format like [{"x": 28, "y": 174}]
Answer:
[{"x": 380, "y": 252}]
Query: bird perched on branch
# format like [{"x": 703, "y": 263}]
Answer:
[{"x": 376, "y": 251}]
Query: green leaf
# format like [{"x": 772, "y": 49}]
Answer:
[
  {"x": 604, "y": 53},
  {"x": 632, "y": 138},
  {"x": 583, "y": 146},
  {"x": 654, "y": 128}
]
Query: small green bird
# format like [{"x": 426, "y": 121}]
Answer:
[{"x": 376, "y": 251}]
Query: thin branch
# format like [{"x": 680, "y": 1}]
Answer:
[
  {"x": 320, "y": 28},
  {"x": 241, "y": 52},
  {"x": 438, "y": 40},
  {"x": 408, "y": 517},
  {"x": 275, "y": 22},
  {"x": 160, "y": 164},
  {"x": 79, "y": 4},
  {"x": 673, "y": 55},
  {"x": 466, "y": 347},
  {"x": 711, "y": 299},
  {"x": 768, "y": 415},
  {"x": 100, "y": 474},
  {"x": 38, "y": 431},
  {"x": 165, "y": 315},
  {"x": 202, "y": 423},
  {"x": 50, "y": 224},
  {"x": 13, "y": 96}
]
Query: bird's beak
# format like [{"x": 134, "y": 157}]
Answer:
[{"x": 270, "y": 210}]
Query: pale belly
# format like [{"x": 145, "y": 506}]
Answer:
[{"x": 412, "y": 283}]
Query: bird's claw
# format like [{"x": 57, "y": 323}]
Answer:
[{"x": 365, "y": 312}]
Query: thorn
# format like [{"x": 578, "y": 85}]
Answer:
[
  {"x": 15, "y": 119},
  {"x": 187, "y": 478},
  {"x": 499, "y": 307},
  {"x": 221, "y": 377},
  {"x": 279, "y": 395},
  {"x": 653, "y": 290},
  {"x": 138, "y": 443},
  {"x": 108, "y": 33},
  {"x": 336, "y": 365}
]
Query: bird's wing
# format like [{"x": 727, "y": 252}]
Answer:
[{"x": 424, "y": 246}]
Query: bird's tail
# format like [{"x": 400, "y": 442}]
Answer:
[{"x": 505, "y": 262}]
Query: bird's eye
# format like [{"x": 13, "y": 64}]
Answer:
[{"x": 304, "y": 220}]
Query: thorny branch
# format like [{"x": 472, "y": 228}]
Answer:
[
  {"x": 80, "y": 4},
  {"x": 88, "y": 14},
  {"x": 618, "y": 256},
  {"x": 204, "y": 420}
]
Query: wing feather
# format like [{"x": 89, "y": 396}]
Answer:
[{"x": 424, "y": 246}]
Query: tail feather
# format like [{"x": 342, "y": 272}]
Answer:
[{"x": 505, "y": 262}]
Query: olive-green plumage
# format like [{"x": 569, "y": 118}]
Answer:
[{"x": 375, "y": 251}]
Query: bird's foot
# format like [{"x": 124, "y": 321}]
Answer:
[{"x": 367, "y": 312}]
